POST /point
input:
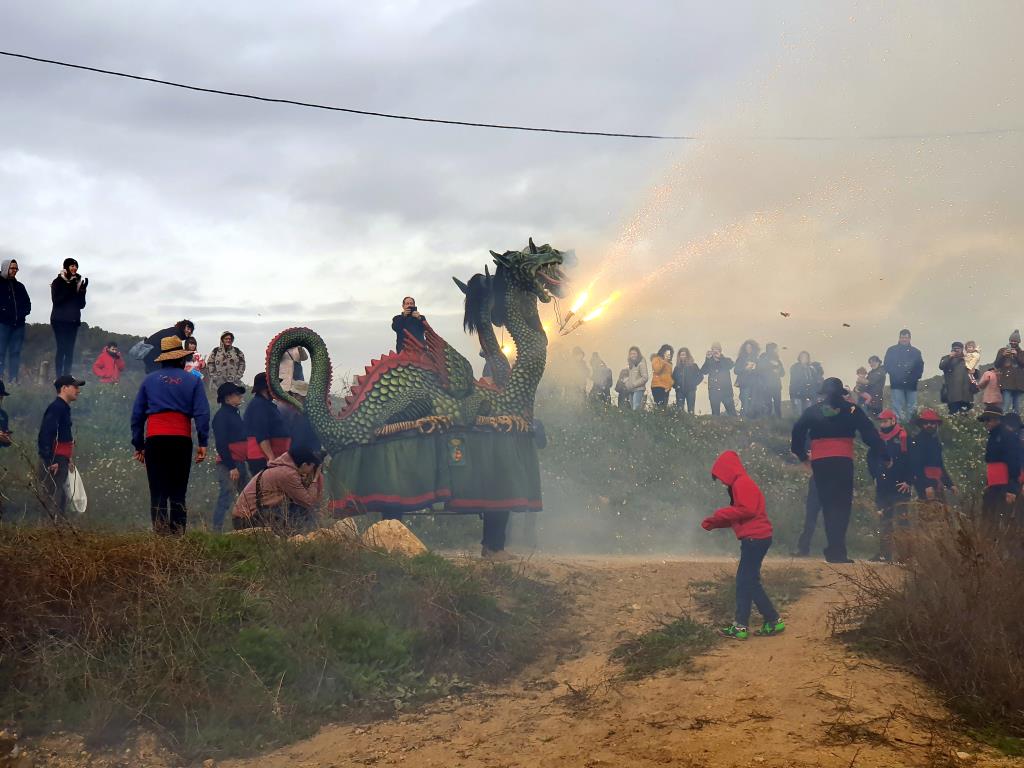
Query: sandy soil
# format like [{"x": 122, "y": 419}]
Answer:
[{"x": 799, "y": 699}]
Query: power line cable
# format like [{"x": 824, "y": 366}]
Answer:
[{"x": 510, "y": 127}]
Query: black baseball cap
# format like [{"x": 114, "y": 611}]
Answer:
[
  {"x": 229, "y": 388},
  {"x": 67, "y": 381}
]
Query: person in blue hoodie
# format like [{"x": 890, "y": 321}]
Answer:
[
  {"x": 169, "y": 400},
  {"x": 905, "y": 366}
]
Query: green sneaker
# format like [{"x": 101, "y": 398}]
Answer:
[
  {"x": 771, "y": 628},
  {"x": 735, "y": 632}
]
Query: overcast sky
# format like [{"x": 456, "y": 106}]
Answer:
[{"x": 255, "y": 217}]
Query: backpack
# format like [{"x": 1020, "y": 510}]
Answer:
[{"x": 139, "y": 350}]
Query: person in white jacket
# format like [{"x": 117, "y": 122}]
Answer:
[
  {"x": 636, "y": 380},
  {"x": 291, "y": 367}
]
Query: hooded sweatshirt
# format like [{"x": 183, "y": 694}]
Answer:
[
  {"x": 280, "y": 483},
  {"x": 746, "y": 514},
  {"x": 14, "y": 301}
]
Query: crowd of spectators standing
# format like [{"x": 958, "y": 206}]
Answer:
[{"x": 752, "y": 384}]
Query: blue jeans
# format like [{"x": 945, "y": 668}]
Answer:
[
  {"x": 11, "y": 340},
  {"x": 904, "y": 402},
  {"x": 227, "y": 492},
  {"x": 636, "y": 399},
  {"x": 748, "y": 582},
  {"x": 1011, "y": 400}
]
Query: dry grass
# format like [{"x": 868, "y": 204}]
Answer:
[
  {"x": 230, "y": 644},
  {"x": 952, "y": 612}
]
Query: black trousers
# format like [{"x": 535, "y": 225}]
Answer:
[
  {"x": 811, "y": 510},
  {"x": 495, "y": 529},
  {"x": 660, "y": 396},
  {"x": 64, "y": 334},
  {"x": 834, "y": 479},
  {"x": 994, "y": 508},
  {"x": 168, "y": 464},
  {"x": 256, "y": 466},
  {"x": 55, "y": 486},
  {"x": 719, "y": 401}
]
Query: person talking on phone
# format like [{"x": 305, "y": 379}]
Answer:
[{"x": 410, "y": 320}]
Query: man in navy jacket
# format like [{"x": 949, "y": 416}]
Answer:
[{"x": 905, "y": 366}]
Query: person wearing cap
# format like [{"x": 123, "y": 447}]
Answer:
[
  {"x": 109, "y": 364},
  {"x": 225, "y": 363},
  {"x": 229, "y": 438},
  {"x": 266, "y": 433},
  {"x": 168, "y": 402},
  {"x": 956, "y": 381},
  {"x": 905, "y": 366},
  {"x": 931, "y": 479},
  {"x": 831, "y": 426},
  {"x": 67, "y": 292},
  {"x": 891, "y": 471},
  {"x": 1002, "y": 467},
  {"x": 56, "y": 443},
  {"x": 15, "y": 306},
  {"x": 1009, "y": 367}
]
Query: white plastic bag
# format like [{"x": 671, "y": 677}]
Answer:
[{"x": 75, "y": 489}]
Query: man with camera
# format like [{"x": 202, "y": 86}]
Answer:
[{"x": 410, "y": 320}]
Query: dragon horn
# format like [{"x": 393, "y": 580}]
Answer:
[
  {"x": 533, "y": 248},
  {"x": 462, "y": 286},
  {"x": 487, "y": 270}
]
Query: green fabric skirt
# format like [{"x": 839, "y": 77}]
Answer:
[{"x": 467, "y": 472}]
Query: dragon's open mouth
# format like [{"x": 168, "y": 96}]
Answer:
[{"x": 551, "y": 280}]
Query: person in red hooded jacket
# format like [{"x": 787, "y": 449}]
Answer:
[
  {"x": 109, "y": 364},
  {"x": 748, "y": 519}
]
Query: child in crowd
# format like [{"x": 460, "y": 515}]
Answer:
[
  {"x": 972, "y": 357},
  {"x": 863, "y": 397},
  {"x": 748, "y": 519},
  {"x": 197, "y": 362}
]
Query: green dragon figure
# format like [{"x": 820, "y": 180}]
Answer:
[{"x": 414, "y": 415}]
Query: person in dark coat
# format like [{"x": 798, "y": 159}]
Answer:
[
  {"x": 905, "y": 366},
  {"x": 931, "y": 479},
  {"x": 410, "y": 320},
  {"x": 956, "y": 384},
  {"x": 267, "y": 435},
  {"x": 183, "y": 329},
  {"x": 67, "y": 292},
  {"x": 805, "y": 380},
  {"x": 892, "y": 473},
  {"x": 770, "y": 372},
  {"x": 229, "y": 438},
  {"x": 686, "y": 377},
  {"x": 716, "y": 370},
  {"x": 874, "y": 386},
  {"x": 56, "y": 444},
  {"x": 168, "y": 402},
  {"x": 600, "y": 380},
  {"x": 15, "y": 306},
  {"x": 747, "y": 379},
  {"x": 1002, "y": 468},
  {"x": 831, "y": 426},
  {"x": 1009, "y": 365}
]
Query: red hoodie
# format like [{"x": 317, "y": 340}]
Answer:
[
  {"x": 746, "y": 515},
  {"x": 108, "y": 368}
]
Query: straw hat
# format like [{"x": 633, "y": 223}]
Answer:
[{"x": 172, "y": 348}]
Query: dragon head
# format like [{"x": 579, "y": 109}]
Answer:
[{"x": 535, "y": 269}]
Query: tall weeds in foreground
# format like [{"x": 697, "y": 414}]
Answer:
[
  {"x": 953, "y": 612},
  {"x": 229, "y": 644}
]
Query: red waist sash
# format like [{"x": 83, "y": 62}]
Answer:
[
  {"x": 832, "y": 447},
  {"x": 278, "y": 446},
  {"x": 64, "y": 449},
  {"x": 933, "y": 473},
  {"x": 997, "y": 473},
  {"x": 170, "y": 423}
]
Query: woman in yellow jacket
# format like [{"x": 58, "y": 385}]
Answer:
[{"x": 661, "y": 375}]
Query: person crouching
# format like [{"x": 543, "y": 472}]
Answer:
[
  {"x": 748, "y": 519},
  {"x": 169, "y": 400},
  {"x": 292, "y": 479}
]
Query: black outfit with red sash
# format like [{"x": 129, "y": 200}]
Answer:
[
  {"x": 832, "y": 427},
  {"x": 1002, "y": 473}
]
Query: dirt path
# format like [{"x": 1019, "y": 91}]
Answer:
[{"x": 800, "y": 699}]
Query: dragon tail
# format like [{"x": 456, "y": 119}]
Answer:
[{"x": 318, "y": 401}]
